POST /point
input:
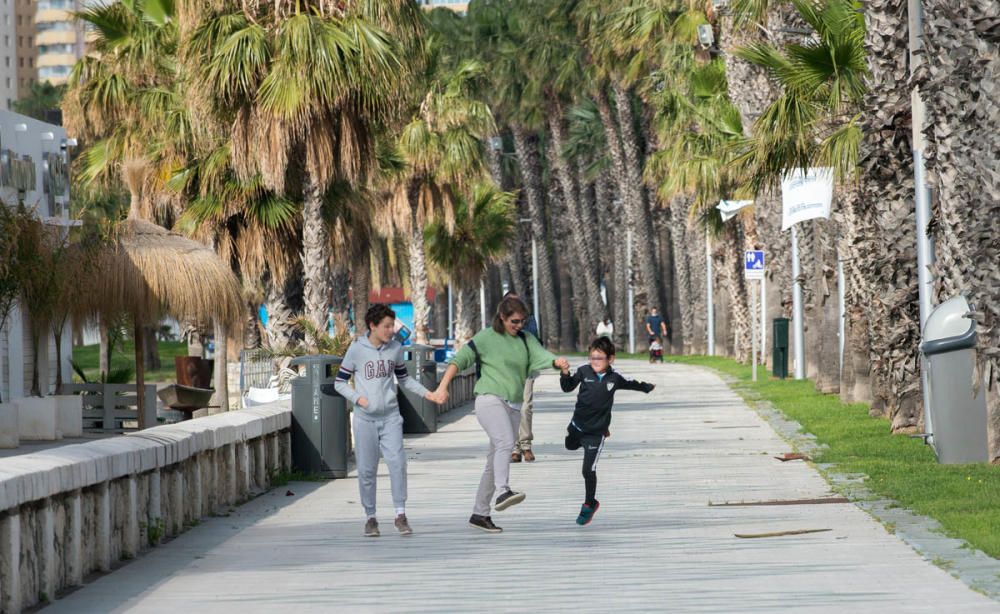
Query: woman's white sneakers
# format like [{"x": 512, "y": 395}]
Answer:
[{"x": 507, "y": 499}]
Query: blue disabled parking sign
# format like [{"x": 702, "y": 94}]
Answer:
[{"x": 753, "y": 264}]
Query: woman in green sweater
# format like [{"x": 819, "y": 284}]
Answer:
[{"x": 505, "y": 357}]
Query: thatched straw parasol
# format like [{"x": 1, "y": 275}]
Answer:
[{"x": 149, "y": 272}]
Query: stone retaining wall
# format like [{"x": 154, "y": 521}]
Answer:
[{"x": 76, "y": 510}]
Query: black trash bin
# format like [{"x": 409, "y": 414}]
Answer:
[
  {"x": 419, "y": 414},
  {"x": 780, "y": 351},
  {"x": 320, "y": 430}
]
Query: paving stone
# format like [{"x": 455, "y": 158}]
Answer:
[{"x": 655, "y": 544}]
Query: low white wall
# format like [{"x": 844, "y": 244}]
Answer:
[{"x": 78, "y": 509}]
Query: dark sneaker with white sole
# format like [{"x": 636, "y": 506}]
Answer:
[
  {"x": 485, "y": 523},
  {"x": 403, "y": 525},
  {"x": 507, "y": 499},
  {"x": 371, "y": 528}
]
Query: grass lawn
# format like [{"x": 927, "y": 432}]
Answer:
[
  {"x": 965, "y": 499},
  {"x": 87, "y": 356}
]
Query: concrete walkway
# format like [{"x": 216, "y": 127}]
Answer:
[{"x": 655, "y": 544}]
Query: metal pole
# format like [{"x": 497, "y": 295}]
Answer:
[
  {"x": 708, "y": 296},
  {"x": 753, "y": 339},
  {"x": 631, "y": 293},
  {"x": 842, "y": 310},
  {"x": 925, "y": 250},
  {"x": 451, "y": 314},
  {"x": 534, "y": 285},
  {"x": 763, "y": 319},
  {"x": 797, "y": 321}
]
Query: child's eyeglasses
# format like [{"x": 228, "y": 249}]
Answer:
[{"x": 515, "y": 321}]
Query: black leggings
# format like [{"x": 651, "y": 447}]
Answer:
[{"x": 592, "y": 446}]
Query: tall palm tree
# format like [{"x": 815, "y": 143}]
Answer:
[
  {"x": 305, "y": 87},
  {"x": 483, "y": 231},
  {"x": 444, "y": 148},
  {"x": 498, "y": 32},
  {"x": 955, "y": 87}
]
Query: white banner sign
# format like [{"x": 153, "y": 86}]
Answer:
[
  {"x": 728, "y": 208},
  {"x": 806, "y": 197}
]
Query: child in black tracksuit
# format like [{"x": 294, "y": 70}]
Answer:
[{"x": 592, "y": 415}]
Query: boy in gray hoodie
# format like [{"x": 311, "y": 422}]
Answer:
[{"x": 375, "y": 361}]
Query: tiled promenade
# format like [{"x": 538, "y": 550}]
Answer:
[{"x": 655, "y": 544}]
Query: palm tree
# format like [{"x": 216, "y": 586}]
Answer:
[
  {"x": 498, "y": 33},
  {"x": 607, "y": 32},
  {"x": 443, "y": 146},
  {"x": 305, "y": 87},
  {"x": 964, "y": 228},
  {"x": 482, "y": 233},
  {"x": 554, "y": 64}
]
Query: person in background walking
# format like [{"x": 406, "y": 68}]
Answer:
[
  {"x": 606, "y": 329},
  {"x": 504, "y": 356},
  {"x": 655, "y": 324},
  {"x": 522, "y": 449},
  {"x": 592, "y": 416},
  {"x": 375, "y": 361}
]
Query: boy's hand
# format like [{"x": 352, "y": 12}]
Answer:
[
  {"x": 647, "y": 388},
  {"x": 363, "y": 402},
  {"x": 607, "y": 433}
]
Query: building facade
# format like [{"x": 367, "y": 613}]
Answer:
[
  {"x": 32, "y": 153},
  {"x": 24, "y": 30},
  {"x": 59, "y": 39}
]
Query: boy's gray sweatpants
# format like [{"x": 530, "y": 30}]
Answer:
[
  {"x": 372, "y": 437},
  {"x": 500, "y": 421}
]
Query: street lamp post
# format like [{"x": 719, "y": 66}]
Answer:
[
  {"x": 631, "y": 292},
  {"x": 534, "y": 278},
  {"x": 922, "y": 200}
]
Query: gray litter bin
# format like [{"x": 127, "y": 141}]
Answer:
[
  {"x": 319, "y": 418},
  {"x": 419, "y": 414},
  {"x": 958, "y": 408}
]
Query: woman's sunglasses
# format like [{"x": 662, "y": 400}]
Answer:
[{"x": 515, "y": 321}]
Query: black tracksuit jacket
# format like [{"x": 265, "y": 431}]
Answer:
[{"x": 592, "y": 414}]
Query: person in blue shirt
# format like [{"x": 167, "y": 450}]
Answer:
[{"x": 592, "y": 415}]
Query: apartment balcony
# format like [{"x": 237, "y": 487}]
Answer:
[
  {"x": 55, "y": 59},
  {"x": 53, "y": 15},
  {"x": 55, "y": 37}
]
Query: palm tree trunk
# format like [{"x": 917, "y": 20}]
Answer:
[
  {"x": 280, "y": 329},
  {"x": 732, "y": 277},
  {"x": 105, "y": 349},
  {"x": 315, "y": 260},
  {"x": 361, "y": 286},
  {"x": 251, "y": 331},
  {"x": 684, "y": 329},
  {"x": 566, "y": 337},
  {"x": 465, "y": 315},
  {"x": 220, "y": 376},
  {"x": 340, "y": 296},
  {"x": 636, "y": 198},
  {"x": 578, "y": 228},
  {"x": 151, "y": 349},
  {"x": 418, "y": 268},
  {"x": 531, "y": 171},
  {"x": 140, "y": 378}
]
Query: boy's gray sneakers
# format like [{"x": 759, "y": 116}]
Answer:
[
  {"x": 402, "y": 525},
  {"x": 507, "y": 499},
  {"x": 371, "y": 528},
  {"x": 485, "y": 523}
]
